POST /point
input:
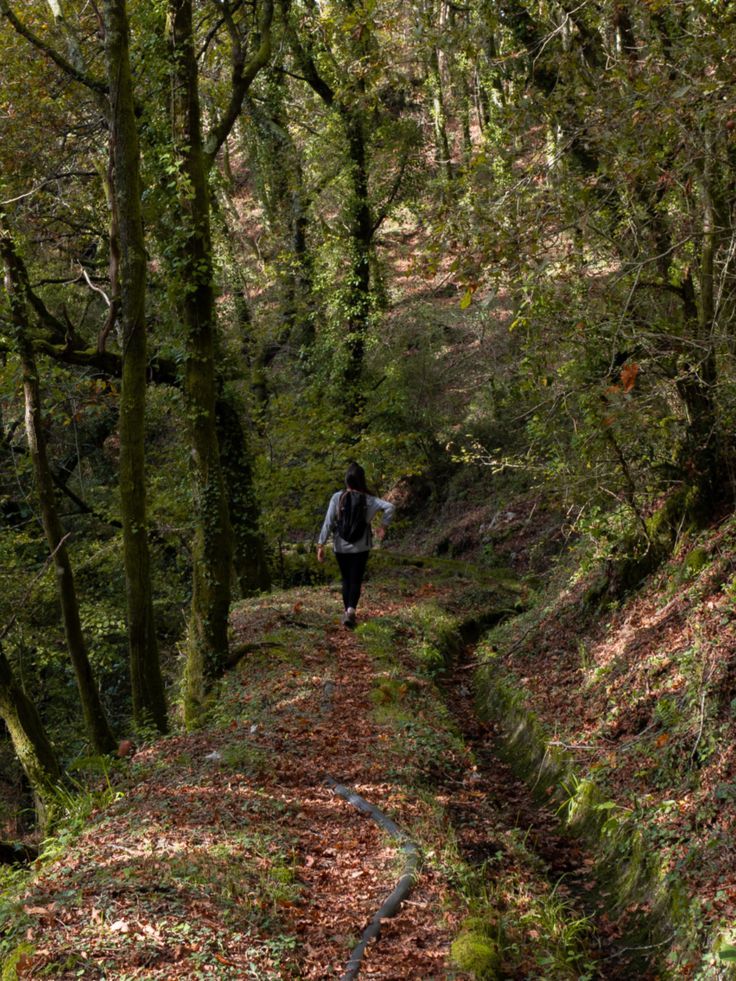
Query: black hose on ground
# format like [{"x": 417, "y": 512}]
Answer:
[{"x": 392, "y": 904}]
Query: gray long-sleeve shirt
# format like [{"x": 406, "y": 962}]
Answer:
[{"x": 372, "y": 506}]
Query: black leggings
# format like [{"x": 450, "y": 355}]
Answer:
[{"x": 352, "y": 568}]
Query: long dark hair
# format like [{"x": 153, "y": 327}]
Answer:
[{"x": 355, "y": 479}]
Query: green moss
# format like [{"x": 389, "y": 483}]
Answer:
[
  {"x": 639, "y": 555},
  {"x": 15, "y": 962},
  {"x": 430, "y": 658},
  {"x": 675, "y": 515},
  {"x": 243, "y": 757},
  {"x": 626, "y": 864},
  {"x": 439, "y": 640},
  {"x": 378, "y": 637},
  {"x": 392, "y": 715},
  {"x": 696, "y": 560},
  {"x": 477, "y": 954}
]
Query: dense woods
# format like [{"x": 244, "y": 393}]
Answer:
[{"x": 486, "y": 248}]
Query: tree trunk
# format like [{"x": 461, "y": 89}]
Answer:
[
  {"x": 96, "y": 723},
  {"x": 149, "y": 703},
  {"x": 281, "y": 162},
  {"x": 443, "y": 153},
  {"x": 360, "y": 244},
  {"x": 30, "y": 742},
  {"x": 207, "y": 647},
  {"x": 700, "y": 457},
  {"x": 358, "y": 211}
]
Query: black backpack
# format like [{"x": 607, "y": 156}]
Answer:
[{"x": 351, "y": 516}]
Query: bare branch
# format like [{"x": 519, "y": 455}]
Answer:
[
  {"x": 45, "y": 183},
  {"x": 242, "y": 78},
  {"x": 97, "y": 289},
  {"x": 94, "y": 84}
]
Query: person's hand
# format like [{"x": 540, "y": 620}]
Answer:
[
  {"x": 381, "y": 532},
  {"x": 320, "y": 553}
]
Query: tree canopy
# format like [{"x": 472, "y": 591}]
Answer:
[{"x": 244, "y": 244}]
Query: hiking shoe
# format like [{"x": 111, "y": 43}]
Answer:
[{"x": 348, "y": 619}]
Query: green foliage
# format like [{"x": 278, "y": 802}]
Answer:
[
  {"x": 310, "y": 444},
  {"x": 76, "y": 804},
  {"x": 667, "y": 712},
  {"x": 13, "y": 919},
  {"x": 243, "y": 757},
  {"x": 439, "y": 639},
  {"x": 551, "y": 266},
  {"x": 15, "y": 962}
]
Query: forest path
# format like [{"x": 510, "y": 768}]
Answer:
[{"x": 228, "y": 855}]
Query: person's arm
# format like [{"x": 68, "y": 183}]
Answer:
[
  {"x": 327, "y": 526},
  {"x": 387, "y": 509}
]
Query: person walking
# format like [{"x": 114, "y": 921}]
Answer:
[{"x": 348, "y": 520}]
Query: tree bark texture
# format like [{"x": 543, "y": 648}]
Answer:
[
  {"x": 287, "y": 208},
  {"x": 249, "y": 552},
  {"x": 30, "y": 741},
  {"x": 149, "y": 703},
  {"x": 361, "y": 242},
  {"x": 360, "y": 224},
  {"x": 207, "y": 646},
  {"x": 97, "y": 726}
]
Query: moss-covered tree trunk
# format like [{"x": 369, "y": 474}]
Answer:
[
  {"x": 442, "y": 151},
  {"x": 98, "y": 728},
  {"x": 30, "y": 742},
  {"x": 359, "y": 219},
  {"x": 700, "y": 456},
  {"x": 283, "y": 192},
  {"x": 96, "y": 723},
  {"x": 207, "y": 646},
  {"x": 149, "y": 703},
  {"x": 360, "y": 244}
]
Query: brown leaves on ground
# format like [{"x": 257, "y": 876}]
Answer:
[
  {"x": 228, "y": 856},
  {"x": 644, "y": 696}
]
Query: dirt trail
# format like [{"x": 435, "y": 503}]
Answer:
[
  {"x": 228, "y": 856},
  {"x": 346, "y": 865}
]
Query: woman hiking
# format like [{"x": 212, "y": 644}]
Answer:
[{"x": 348, "y": 520}]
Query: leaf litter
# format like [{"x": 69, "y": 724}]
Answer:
[{"x": 228, "y": 856}]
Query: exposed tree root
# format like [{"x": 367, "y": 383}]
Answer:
[{"x": 392, "y": 904}]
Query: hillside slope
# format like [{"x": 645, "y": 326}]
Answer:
[{"x": 635, "y": 697}]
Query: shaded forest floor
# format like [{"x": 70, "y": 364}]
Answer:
[{"x": 226, "y": 854}]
